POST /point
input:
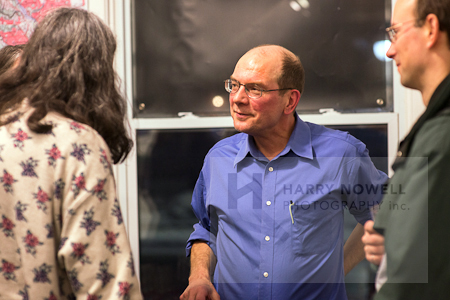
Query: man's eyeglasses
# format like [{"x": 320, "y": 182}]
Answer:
[
  {"x": 393, "y": 30},
  {"x": 251, "y": 89}
]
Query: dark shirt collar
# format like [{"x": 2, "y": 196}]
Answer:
[{"x": 438, "y": 102}]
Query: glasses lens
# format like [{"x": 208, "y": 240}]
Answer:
[
  {"x": 253, "y": 91},
  {"x": 231, "y": 86},
  {"x": 391, "y": 33},
  {"x": 228, "y": 85}
]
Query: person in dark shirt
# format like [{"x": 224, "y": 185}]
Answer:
[{"x": 409, "y": 239}]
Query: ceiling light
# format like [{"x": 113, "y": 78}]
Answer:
[{"x": 295, "y": 5}]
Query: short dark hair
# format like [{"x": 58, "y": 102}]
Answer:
[
  {"x": 67, "y": 67},
  {"x": 440, "y": 8},
  {"x": 292, "y": 72},
  {"x": 8, "y": 56}
]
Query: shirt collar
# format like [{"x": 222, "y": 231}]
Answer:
[{"x": 299, "y": 143}]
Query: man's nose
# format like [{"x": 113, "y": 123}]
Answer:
[
  {"x": 391, "y": 51},
  {"x": 240, "y": 96}
]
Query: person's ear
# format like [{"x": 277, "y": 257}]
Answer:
[
  {"x": 432, "y": 31},
  {"x": 294, "y": 98}
]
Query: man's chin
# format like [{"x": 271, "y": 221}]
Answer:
[
  {"x": 240, "y": 126},
  {"x": 407, "y": 83}
]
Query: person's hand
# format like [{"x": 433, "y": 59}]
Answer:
[
  {"x": 373, "y": 244},
  {"x": 200, "y": 289}
]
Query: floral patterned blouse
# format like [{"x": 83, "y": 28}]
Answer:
[{"x": 61, "y": 230}]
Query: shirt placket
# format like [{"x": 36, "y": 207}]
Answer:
[{"x": 267, "y": 232}]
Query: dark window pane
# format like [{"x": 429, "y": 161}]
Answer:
[
  {"x": 376, "y": 140},
  {"x": 169, "y": 162},
  {"x": 185, "y": 49},
  {"x": 359, "y": 282}
]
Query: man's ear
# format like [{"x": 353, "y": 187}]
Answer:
[
  {"x": 432, "y": 31},
  {"x": 294, "y": 98}
]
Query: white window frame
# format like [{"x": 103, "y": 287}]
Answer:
[{"x": 118, "y": 15}]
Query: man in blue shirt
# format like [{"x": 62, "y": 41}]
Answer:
[{"x": 270, "y": 200}]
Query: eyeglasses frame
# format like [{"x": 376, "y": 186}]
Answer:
[
  {"x": 392, "y": 31},
  {"x": 247, "y": 91}
]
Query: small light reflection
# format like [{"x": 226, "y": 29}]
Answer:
[
  {"x": 380, "y": 48},
  {"x": 218, "y": 101},
  {"x": 304, "y": 3},
  {"x": 295, "y": 5}
]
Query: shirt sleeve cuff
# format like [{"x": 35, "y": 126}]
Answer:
[
  {"x": 363, "y": 217},
  {"x": 199, "y": 234}
]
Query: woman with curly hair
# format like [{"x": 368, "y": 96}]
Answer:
[{"x": 62, "y": 125}]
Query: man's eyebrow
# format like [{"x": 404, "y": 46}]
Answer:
[
  {"x": 259, "y": 84},
  {"x": 395, "y": 23}
]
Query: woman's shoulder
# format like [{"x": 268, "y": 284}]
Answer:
[{"x": 72, "y": 131}]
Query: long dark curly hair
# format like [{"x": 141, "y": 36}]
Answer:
[
  {"x": 8, "y": 56},
  {"x": 67, "y": 67}
]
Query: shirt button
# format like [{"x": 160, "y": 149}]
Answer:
[
  {"x": 399, "y": 153},
  {"x": 270, "y": 169},
  {"x": 266, "y": 274},
  {"x": 267, "y": 238},
  {"x": 268, "y": 203}
]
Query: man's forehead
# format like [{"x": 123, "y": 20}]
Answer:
[
  {"x": 404, "y": 10},
  {"x": 260, "y": 61}
]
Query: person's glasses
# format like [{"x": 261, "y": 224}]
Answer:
[
  {"x": 251, "y": 89},
  {"x": 393, "y": 30}
]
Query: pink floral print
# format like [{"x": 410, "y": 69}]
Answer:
[
  {"x": 19, "y": 138},
  {"x": 7, "y": 180},
  {"x": 8, "y": 269},
  {"x": 62, "y": 235},
  {"x": 53, "y": 155},
  {"x": 7, "y": 226}
]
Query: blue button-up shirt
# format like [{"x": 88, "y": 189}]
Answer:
[{"x": 276, "y": 227}]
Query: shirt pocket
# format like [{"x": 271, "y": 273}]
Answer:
[{"x": 311, "y": 232}]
